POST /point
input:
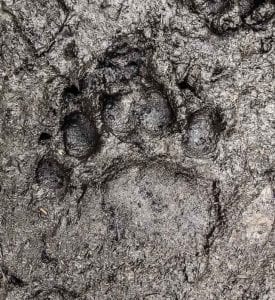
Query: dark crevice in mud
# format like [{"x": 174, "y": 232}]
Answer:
[
  {"x": 71, "y": 90},
  {"x": 16, "y": 281},
  {"x": 70, "y": 51},
  {"x": 218, "y": 73},
  {"x": 46, "y": 259},
  {"x": 12, "y": 278},
  {"x": 109, "y": 99},
  {"x": 185, "y": 85},
  {"x": 270, "y": 173},
  {"x": 189, "y": 84},
  {"x": 63, "y": 5},
  {"x": 123, "y": 61},
  {"x": 74, "y": 93},
  {"x": 219, "y": 122},
  {"x": 84, "y": 189},
  {"x": 220, "y": 218},
  {"x": 220, "y": 215},
  {"x": 123, "y": 56},
  {"x": 44, "y": 136},
  {"x": 53, "y": 41},
  {"x": 19, "y": 28}
]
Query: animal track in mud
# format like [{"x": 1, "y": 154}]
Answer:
[
  {"x": 79, "y": 134},
  {"x": 157, "y": 222},
  {"x": 203, "y": 130},
  {"x": 50, "y": 173},
  {"x": 154, "y": 202}
]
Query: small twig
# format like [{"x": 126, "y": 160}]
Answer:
[{"x": 43, "y": 211}]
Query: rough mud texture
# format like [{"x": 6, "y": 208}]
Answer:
[{"x": 137, "y": 149}]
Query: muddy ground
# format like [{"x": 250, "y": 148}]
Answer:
[{"x": 137, "y": 149}]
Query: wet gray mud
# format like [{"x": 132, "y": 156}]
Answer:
[{"x": 137, "y": 149}]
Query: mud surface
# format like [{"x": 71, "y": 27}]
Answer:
[{"x": 137, "y": 149}]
